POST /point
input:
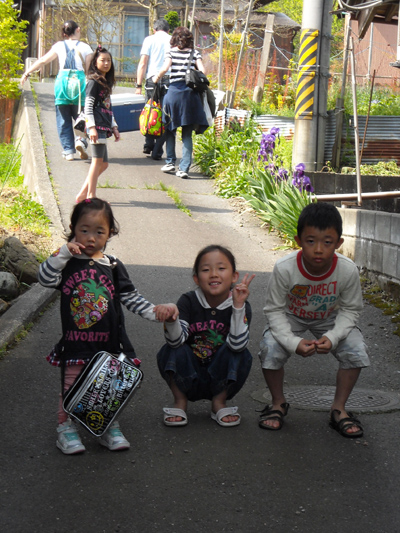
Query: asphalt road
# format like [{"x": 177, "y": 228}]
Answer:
[{"x": 202, "y": 477}]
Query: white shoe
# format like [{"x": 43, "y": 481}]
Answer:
[
  {"x": 182, "y": 174},
  {"x": 114, "y": 439},
  {"x": 68, "y": 157},
  {"x": 81, "y": 147},
  {"x": 169, "y": 167},
  {"x": 68, "y": 440}
]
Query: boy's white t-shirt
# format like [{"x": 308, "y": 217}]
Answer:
[
  {"x": 292, "y": 290},
  {"x": 59, "y": 49}
]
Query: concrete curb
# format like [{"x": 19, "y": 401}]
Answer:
[
  {"x": 33, "y": 165},
  {"x": 23, "y": 311}
]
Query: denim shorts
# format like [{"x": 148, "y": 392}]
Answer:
[
  {"x": 350, "y": 352},
  {"x": 99, "y": 149},
  {"x": 227, "y": 370}
]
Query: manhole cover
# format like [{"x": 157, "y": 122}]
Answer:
[{"x": 320, "y": 399}]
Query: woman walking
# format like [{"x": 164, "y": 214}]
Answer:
[
  {"x": 65, "y": 112},
  {"x": 182, "y": 105}
]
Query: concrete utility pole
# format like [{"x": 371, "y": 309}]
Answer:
[{"x": 312, "y": 84}]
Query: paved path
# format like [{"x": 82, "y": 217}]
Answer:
[{"x": 201, "y": 478}]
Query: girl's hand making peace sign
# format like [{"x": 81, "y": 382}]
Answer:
[{"x": 241, "y": 292}]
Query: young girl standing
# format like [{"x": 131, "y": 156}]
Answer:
[
  {"x": 206, "y": 355},
  {"x": 100, "y": 123},
  {"x": 90, "y": 310}
]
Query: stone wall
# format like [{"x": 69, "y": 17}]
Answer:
[{"x": 372, "y": 241}]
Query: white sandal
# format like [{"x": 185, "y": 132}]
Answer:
[
  {"x": 226, "y": 411},
  {"x": 169, "y": 412}
]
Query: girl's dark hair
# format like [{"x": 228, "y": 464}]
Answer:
[
  {"x": 69, "y": 28},
  {"x": 107, "y": 81},
  {"x": 93, "y": 204},
  {"x": 214, "y": 248},
  {"x": 182, "y": 38}
]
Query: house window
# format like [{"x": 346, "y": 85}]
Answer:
[{"x": 125, "y": 38}]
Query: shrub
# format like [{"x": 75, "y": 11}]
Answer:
[{"x": 12, "y": 42}]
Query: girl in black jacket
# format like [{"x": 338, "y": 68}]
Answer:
[{"x": 100, "y": 123}]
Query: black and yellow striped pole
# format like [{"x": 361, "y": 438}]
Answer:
[
  {"x": 306, "y": 78},
  {"x": 312, "y": 84}
]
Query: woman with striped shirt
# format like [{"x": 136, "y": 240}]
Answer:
[{"x": 182, "y": 106}]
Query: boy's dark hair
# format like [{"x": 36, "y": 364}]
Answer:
[
  {"x": 213, "y": 248},
  {"x": 182, "y": 38},
  {"x": 69, "y": 28},
  {"x": 320, "y": 215},
  {"x": 107, "y": 81},
  {"x": 93, "y": 204}
]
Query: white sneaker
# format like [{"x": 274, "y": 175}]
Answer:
[
  {"x": 114, "y": 439},
  {"x": 68, "y": 157},
  {"x": 81, "y": 147},
  {"x": 68, "y": 440},
  {"x": 169, "y": 167},
  {"x": 182, "y": 174}
]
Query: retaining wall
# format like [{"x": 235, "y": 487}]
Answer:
[{"x": 372, "y": 241}]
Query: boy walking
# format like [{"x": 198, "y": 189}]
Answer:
[{"x": 317, "y": 290}]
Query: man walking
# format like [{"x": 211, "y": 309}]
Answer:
[{"x": 152, "y": 57}]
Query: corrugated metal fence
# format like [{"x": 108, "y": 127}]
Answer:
[{"x": 382, "y": 138}]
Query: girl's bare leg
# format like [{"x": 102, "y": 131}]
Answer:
[
  {"x": 88, "y": 190},
  {"x": 219, "y": 402},
  {"x": 180, "y": 400}
]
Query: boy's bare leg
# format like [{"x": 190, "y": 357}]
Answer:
[
  {"x": 274, "y": 380},
  {"x": 345, "y": 382},
  {"x": 180, "y": 400}
]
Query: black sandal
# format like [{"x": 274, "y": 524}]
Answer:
[
  {"x": 341, "y": 426},
  {"x": 273, "y": 414}
]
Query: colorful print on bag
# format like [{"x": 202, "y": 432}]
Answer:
[
  {"x": 102, "y": 390},
  {"x": 150, "y": 120}
]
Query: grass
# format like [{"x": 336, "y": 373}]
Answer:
[
  {"x": 172, "y": 193},
  {"x": 20, "y": 214}
]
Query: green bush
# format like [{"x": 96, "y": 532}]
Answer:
[
  {"x": 12, "y": 42},
  {"x": 277, "y": 203},
  {"x": 383, "y": 102}
]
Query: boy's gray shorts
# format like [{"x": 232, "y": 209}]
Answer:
[{"x": 350, "y": 352}]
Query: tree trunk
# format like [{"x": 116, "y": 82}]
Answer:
[{"x": 8, "y": 111}]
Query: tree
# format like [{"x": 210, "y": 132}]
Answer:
[
  {"x": 173, "y": 20},
  {"x": 97, "y": 18},
  {"x": 294, "y": 10},
  {"x": 12, "y": 42},
  {"x": 152, "y": 6}
]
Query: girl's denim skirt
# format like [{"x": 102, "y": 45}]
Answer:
[{"x": 227, "y": 370}]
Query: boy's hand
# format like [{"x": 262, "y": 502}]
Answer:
[
  {"x": 323, "y": 345},
  {"x": 166, "y": 312},
  {"x": 75, "y": 247},
  {"x": 241, "y": 292},
  {"x": 306, "y": 347}
]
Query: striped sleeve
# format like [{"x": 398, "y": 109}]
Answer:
[
  {"x": 137, "y": 304},
  {"x": 50, "y": 271},
  {"x": 176, "y": 332},
  {"x": 238, "y": 337}
]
